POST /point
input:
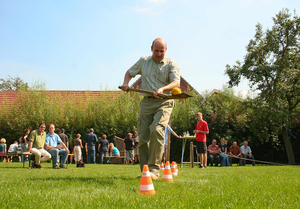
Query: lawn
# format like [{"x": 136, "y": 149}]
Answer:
[{"x": 116, "y": 186}]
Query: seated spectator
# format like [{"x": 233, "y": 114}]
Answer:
[
  {"x": 247, "y": 153},
  {"x": 128, "y": 145},
  {"x": 13, "y": 150},
  {"x": 113, "y": 151},
  {"x": 103, "y": 148},
  {"x": 36, "y": 146},
  {"x": 53, "y": 147},
  {"x": 223, "y": 153},
  {"x": 213, "y": 153},
  {"x": 24, "y": 143},
  {"x": 3, "y": 149},
  {"x": 235, "y": 153}
]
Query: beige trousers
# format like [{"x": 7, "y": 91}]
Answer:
[
  {"x": 153, "y": 120},
  {"x": 41, "y": 155}
]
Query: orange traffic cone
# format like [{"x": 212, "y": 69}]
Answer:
[
  {"x": 167, "y": 175},
  {"x": 162, "y": 166},
  {"x": 173, "y": 169},
  {"x": 176, "y": 168},
  {"x": 146, "y": 186}
]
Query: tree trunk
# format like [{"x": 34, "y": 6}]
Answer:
[{"x": 288, "y": 147}]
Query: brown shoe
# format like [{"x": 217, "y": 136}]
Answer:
[
  {"x": 154, "y": 175},
  {"x": 63, "y": 167},
  {"x": 38, "y": 166},
  {"x": 56, "y": 167}
]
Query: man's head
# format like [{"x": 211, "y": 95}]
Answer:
[
  {"x": 104, "y": 136},
  {"x": 129, "y": 134},
  {"x": 62, "y": 130},
  {"x": 42, "y": 127},
  {"x": 135, "y": 133},
  {"x": 159, "y": 48},
  {"x": 51, "y": 128},
  {"x": 199, "y": 116},
  {"x": 92, "y": 130},
  {"x": 214, "y": 142},
  {"x": 245, "y": 143},
  {"x": 234, "y": 144},
  {"x": 15, "y": 142}
]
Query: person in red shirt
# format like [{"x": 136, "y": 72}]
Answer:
[{"x": 201, "y": 131}]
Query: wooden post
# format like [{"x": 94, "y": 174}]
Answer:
[{"x": 192, "y": 155}]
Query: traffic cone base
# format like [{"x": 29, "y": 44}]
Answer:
[
  {"x": 167, "y": 175},
  {"x": 162, "y": 166},
  {"x": 173, "y": 169}
]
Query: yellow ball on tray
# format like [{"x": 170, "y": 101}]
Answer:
[{"x": 176, "y": 91}]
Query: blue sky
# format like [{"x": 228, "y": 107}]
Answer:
[{"x": 89, "y": 45}]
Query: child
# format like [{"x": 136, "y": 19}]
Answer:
[
  {"x": 201, "y": 131},
  {"x": 77, "y": 151},
  {"x": 113, "y": 151},
  {"x": 3, "y": 147}
]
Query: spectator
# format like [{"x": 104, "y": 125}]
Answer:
[
  {"x": 64, "y": 137},
  {"x": 53, "y": 146},
  {"x": 103, "y": 148},
  {"x": 201, "y": 131},
  {"x": 166, "y": 134},
  {"x": 223, "y": 153},
  {"x": 91, "y": 140},
  {"x": 113, "y": 151},
  {"x": 24, "y": 144},
  {"x": 213, "y": 153},
  {"x": 247, "y": 153},
  {"x": 13, "y": 150},
  {"x": 36, "y": 146},
  {"x": 136, "y": 147},
  {"x": 235, "y": 153},
  {"x": 77, "y": 150},
  {"x": 3, "y": 149},
  {"x": 128, "y": 145}
]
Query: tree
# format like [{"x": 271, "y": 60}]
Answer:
[
  {"x": 13, "y": 83},
  {"x": 271, "y": 66}
]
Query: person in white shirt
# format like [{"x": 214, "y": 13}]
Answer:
[{"x": 247, "y": 153}]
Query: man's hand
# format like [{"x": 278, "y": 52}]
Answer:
[
  {"x": 58, "y": 147},
  {"x": 159, "y": 91},
  {"x": 124, "y": 87},
  {"x": 250, "y": 155}
]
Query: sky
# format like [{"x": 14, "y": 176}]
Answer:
[{"x": 90, "y": 44}]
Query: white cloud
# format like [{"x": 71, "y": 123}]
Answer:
[
  {"x": 158, "y": 1},
  {"x": 146, "y": 10}
]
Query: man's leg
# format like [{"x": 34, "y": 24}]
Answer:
[
  {"x": 217, "y": 159},
  {"x": 64, "y": 157},
  {"x": 54, "y": 152},
  {"x": 211, "y": 159},
  {"x": 89, "y": 154},
  {"x": 201, "y": 159},
  {"x": 37, "y": 155},
  {"x": 94, "y": 154},
  {"x": 101, "y": 157},
  {"x": 244, "y": 161},
  {"x": 222, "y": 157},
  {"x": 253, "y": 162}
]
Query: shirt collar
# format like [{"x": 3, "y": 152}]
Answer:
[{"x": 158, "y": 62}]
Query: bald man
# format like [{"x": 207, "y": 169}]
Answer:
[{"x": 159, "y": 74}]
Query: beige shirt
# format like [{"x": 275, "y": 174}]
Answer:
[{"x": 155, "y": 74}]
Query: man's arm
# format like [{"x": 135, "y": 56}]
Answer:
[
  {"x": 173, "y": 132},
  {"x": 127, "y": 78},
  {"x": 168, "y": 87},
  {"x": 86, "y": 147},
  {"x": 63, "y": 144},
  {"x": 99, "y": 147},
  {"x": 30, "y": 146}
]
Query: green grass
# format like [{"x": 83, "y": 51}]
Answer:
[{"x": 116, "y": 186}]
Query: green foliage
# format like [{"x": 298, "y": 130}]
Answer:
[
  {"x": 116, "y": 186},
  {"x": 13, "y": 83}
]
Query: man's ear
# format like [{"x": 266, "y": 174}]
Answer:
[{"x": 151, "y": 48}]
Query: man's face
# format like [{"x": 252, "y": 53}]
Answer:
[
  {"x": 51, "y": 129},
  {"x": 135, "y": 133},
  {"x": 158, "y": 51},
  {"x": 42, "y": 128},
  {"x": 234, "y": 144},
  {"x": 245, "y": 143},
  {"x": 214, "y": 142}
]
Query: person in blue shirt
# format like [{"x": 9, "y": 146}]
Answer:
[
  {"x": 166, "y": 133},
  {"x": 52, "y": 144}
]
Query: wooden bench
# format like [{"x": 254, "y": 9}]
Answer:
[
  {"x": 10, "y": 155},
  {"x": 122, "y": 157},
  {"x": 31, "y": 154}
]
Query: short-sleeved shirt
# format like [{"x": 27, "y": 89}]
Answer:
[
  {"x": 37, "y": 139},
  {"x": 246, "y": 150},
  {"x": 136, "y": 143},
  {"x": 52, "y": 141},
  {"x": 223, "y": 147},
  {"x": 202, "y": 126},
  {"x": 155, "y": 74},
  {"x": 236, "y": 150},
  {"x": 213, "y": 148},
  {"x": 128, "y": 143},
  {"x": 166, "y": 133},
  {"x": 103, "y": 145},
  {"x": 64, "y": 138}
]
